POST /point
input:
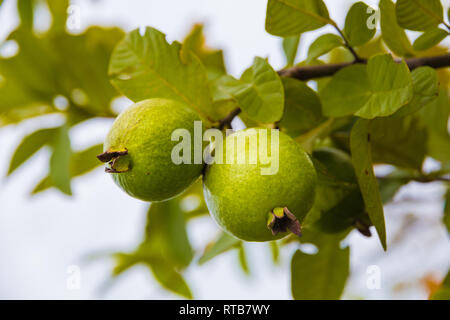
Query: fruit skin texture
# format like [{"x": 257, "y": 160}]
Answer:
[
  {"x": 240, "y": 198},
  {"x": 145, "y": 130}
]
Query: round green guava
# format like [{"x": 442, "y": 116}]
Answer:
[
  {"x": 249, "y": 204},
  {"x": 138, "y": 150}
]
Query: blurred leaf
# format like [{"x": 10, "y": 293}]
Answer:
[
  {"x": 320, "y": 276},
  {"x": 362, "y": 162},
  {"x": 165, "y": 233},
  {"x": 223, "y": 243},
  {"x": 292, "y": 17},
  {"x": 302, "y": 108},
  {"x": 389, "y": 186},
  {"x": 164, "y": 273},
  {"x": 425, "y": 90},
  {"x": 443, "y": 293},
  {"x": 243, "y": 258},
  {"x": 212, "y": 59},
  {"x": 147, "y": 66},
  {"x": 58, "y": 8},
  {"x": 170, "y": 279},
  {"x": 356, "y": 29},
  {"x": 80, "y": 163},
  {"x": 26, "y": 10},
  {"x": 60, "y": 160},
  {"x": 323, "y": 44},
  {"x": 259, "y": 92},
  {"x": 419, "y": 15},
  {"x": 435, "y": 116},
  {"x": 429, "y": 39},
  {"x": 398, "y": 141},
  {"x": 371, "y": 48},
  {"x": 166, "y": 249},
  {"x": 290, "y": 48},
  {"x": 446, "y": 217},
  {"x": 376, "y": 90},
  {"x": 393, "y": 35},
  {"x": 275, "y": 251},
  {"x": 57, "y": 64},
  {"x": 29, "y": 146}
]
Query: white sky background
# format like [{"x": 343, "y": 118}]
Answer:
[{"x": 41, "y": 236}]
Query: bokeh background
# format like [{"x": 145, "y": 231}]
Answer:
[{"x": 42, "y": 236}]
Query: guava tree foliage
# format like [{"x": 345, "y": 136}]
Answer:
[{"x": 361, "y": 97}]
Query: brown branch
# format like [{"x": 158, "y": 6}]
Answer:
[
  {"x": 227, "y": 120},
  {"x": 305, "y": 73},
  {"x": 319, "y": 71}
]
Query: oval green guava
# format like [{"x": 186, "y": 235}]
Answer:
[
  {"x": 242, "y": 199},
  {"x": 138, "y": 150}
]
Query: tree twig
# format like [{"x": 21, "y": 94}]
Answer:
[
  {"x": 305, "y": 73},
  {"x": 347, "y": 44},
  {"x": 227, "y": 120},
  {"x": 319, "y": 71}
]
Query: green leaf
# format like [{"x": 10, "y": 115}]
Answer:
[
  {"x": 419, "y": 15},
  {"x": 446, "y": 216},
  {"x": 259, "y": 92},
  {"x": 391, "y": 184},
  {"x": 320, "y": 276},
  {"x": 212, "y": 59},
  {"x": 443, "y": 293},
  {"x": 322, "y": 45},
  {"x": 292, "y": 17},
  {"x": 435, "y": 117},
  {"x": 164, "y": 273},
  {"x": 29, "y": 146},
  {"x": 290, "y": 48},
  {"x": 429, "y": 39},
  {"x": 356, "y": 29},
  {"x": 26, "y": 9},
  {"x": 80, "y": 163},
  {"x": 170, "y": 279},
  {"x": 58, "y": 64},
  {"x": 275, "y": 251},
  {"x": 302, "y": 108},
  {"x": 60, "y": 160},
  {"x": 362, "y": 162},
  {"x": 393, "y": 35},
  {"x": 147, "y": 66},
  {"x": 166, "y": 234},
  {"x": 338, "y": 204},
  {"x": 242, "y": 256},
  {"x": 376, "y": 90},
  {"x": 58, "y": 9},
  {"x": 398, "y": 141},
  {"x": 223, "y": 243},
  {"x": 425, "y": 90}
]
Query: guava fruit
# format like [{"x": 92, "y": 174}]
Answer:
[
  {"x": 138, "y": 150},
  {"x": 260, "y": 207}
]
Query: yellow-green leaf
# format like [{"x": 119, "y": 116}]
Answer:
[
  {"x": 393, "y": 35},
  {"x": 292, "y": 17},
  {"x": 429, "y": 39},
  {"x": 147, "y": 66},
  {"x": 419, "y": 15},
  {"x": 356, "y": 29},
  {"x": 362, "y": 162}
]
